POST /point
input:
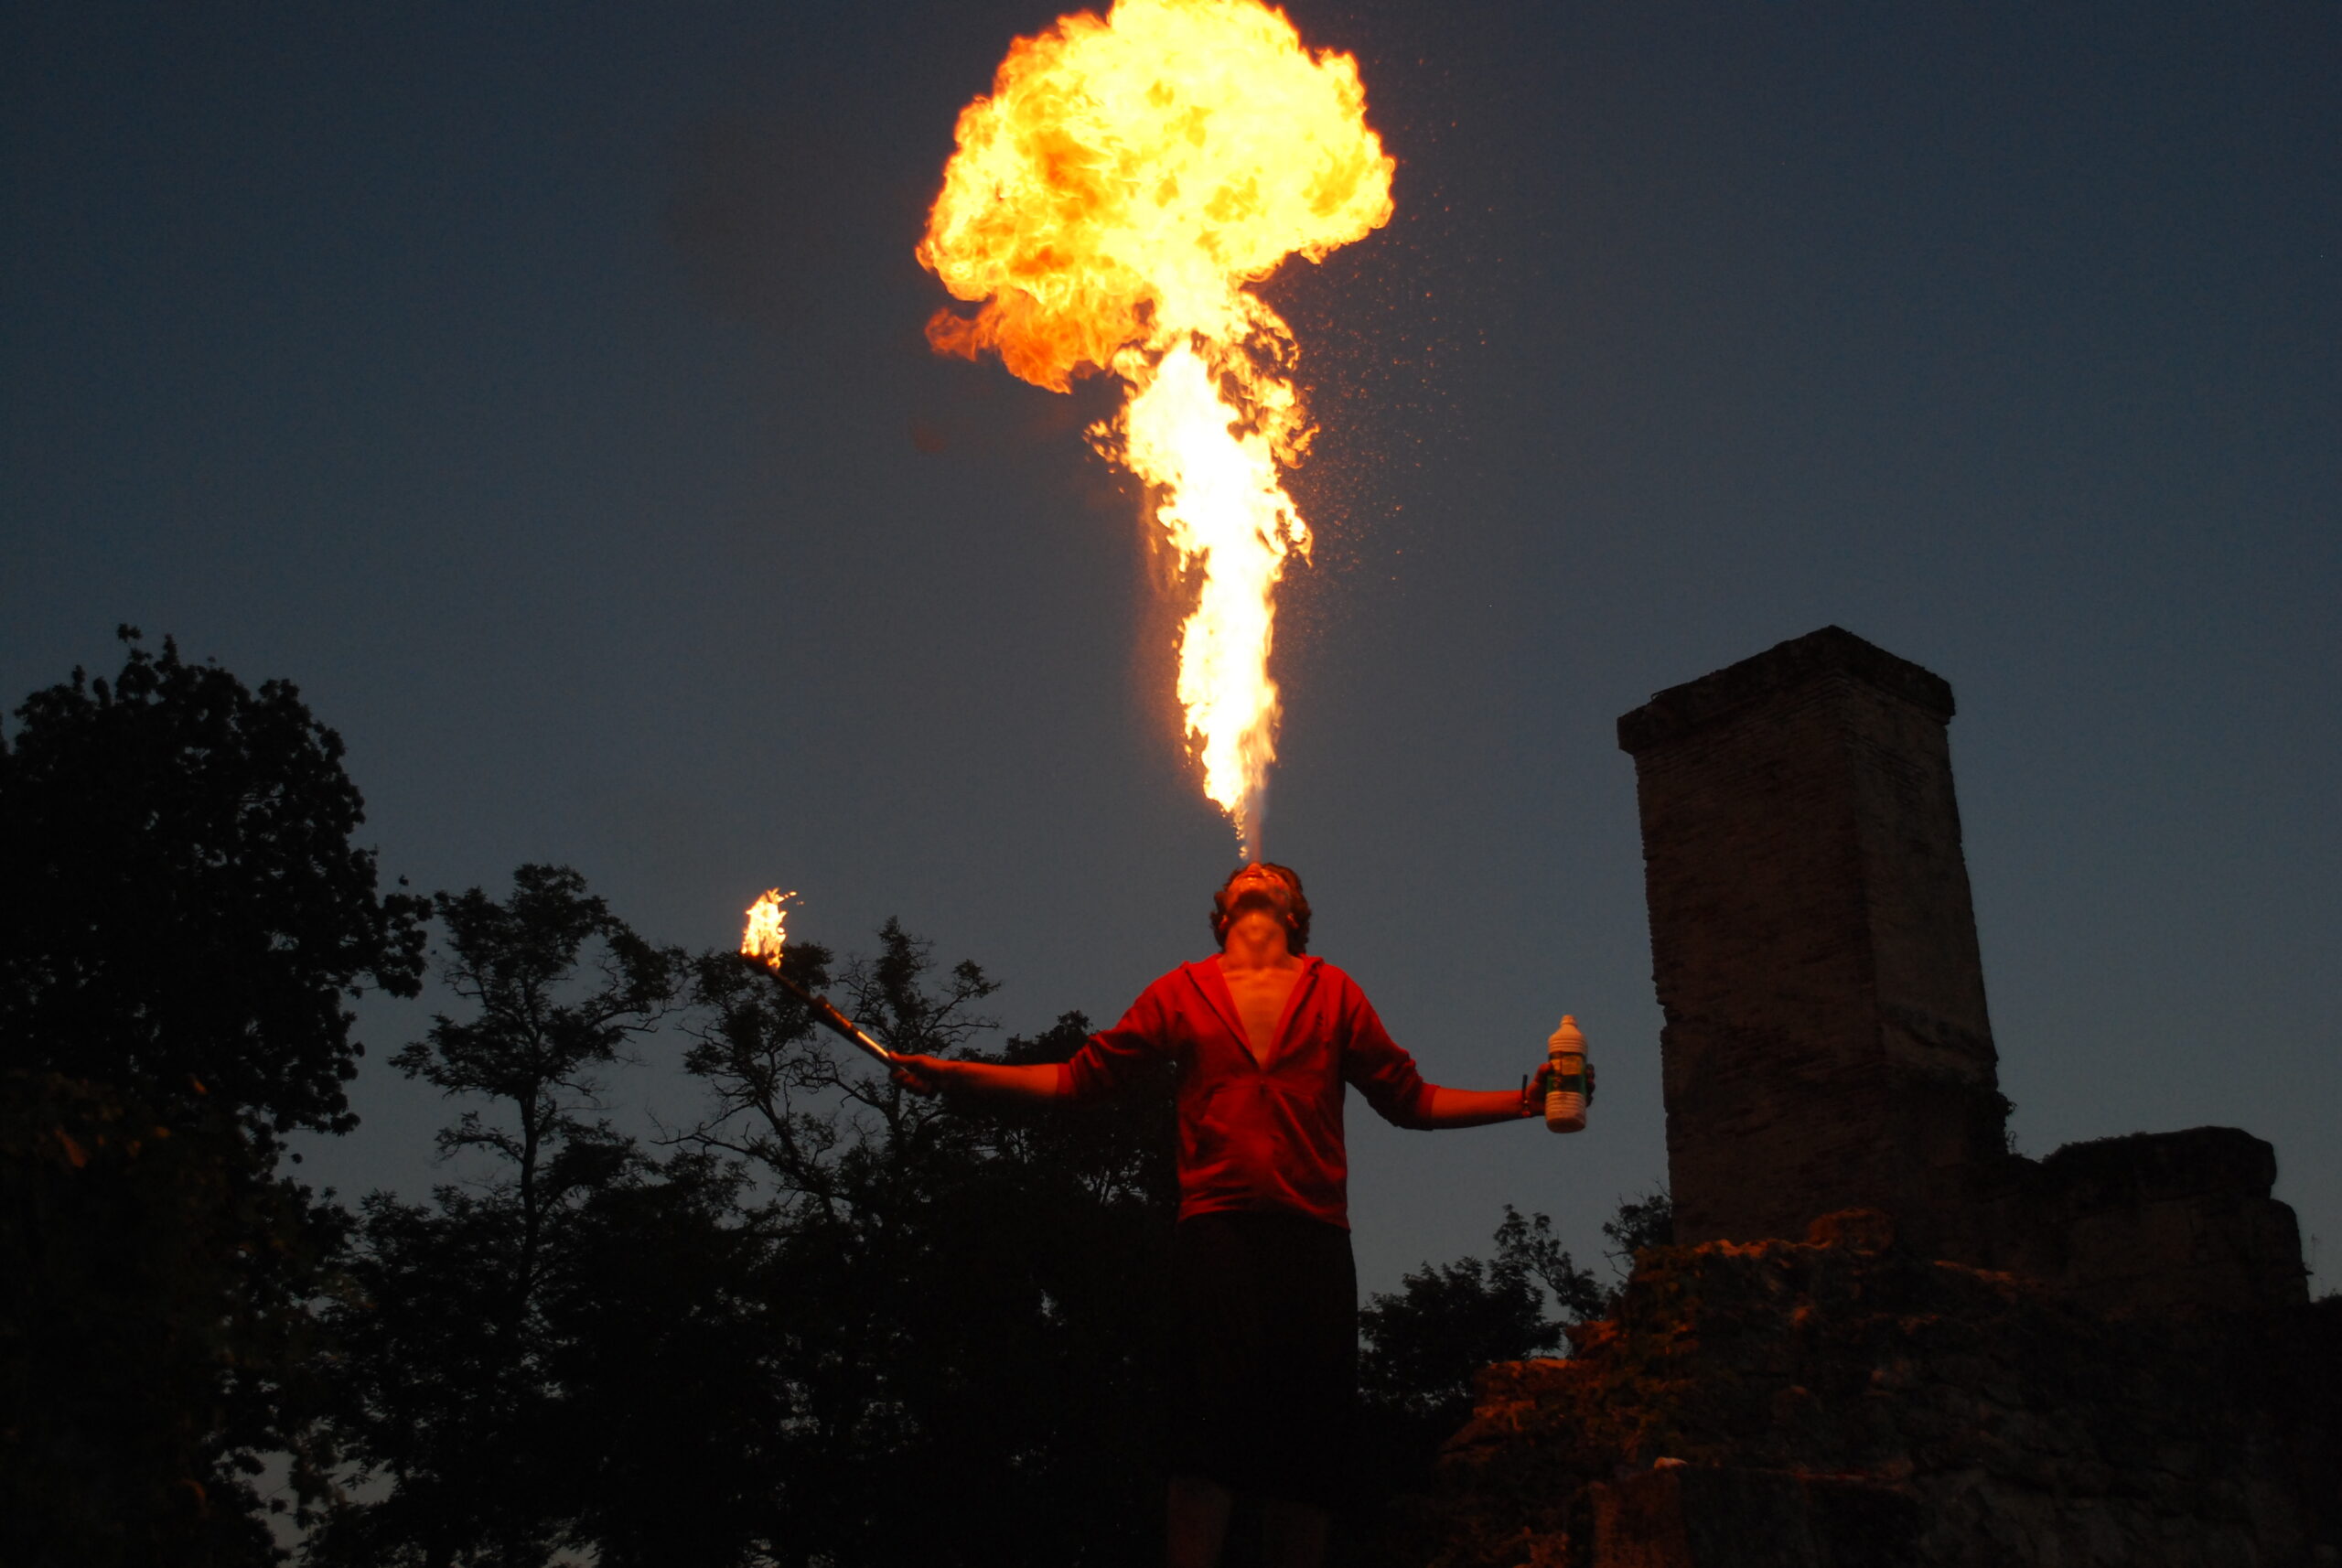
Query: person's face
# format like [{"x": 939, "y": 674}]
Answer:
[
  {"x": 1256, "y": 876},
  {"x": 1258, "y": 897}
]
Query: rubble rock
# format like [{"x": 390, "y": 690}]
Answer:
[{"x": 1846, "y": 1401}]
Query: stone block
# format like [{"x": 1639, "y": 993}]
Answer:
[{"x": 2165, "y": 1221}]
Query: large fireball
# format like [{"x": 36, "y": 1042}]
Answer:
[{"x": 1108, "y": 204}]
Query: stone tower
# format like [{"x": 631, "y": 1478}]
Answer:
[
  {"x": 1826, "y": 1045},
  {"x": 2133, "y": 1374}
]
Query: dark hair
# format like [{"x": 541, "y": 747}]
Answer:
[{"x": 1292, "y": 909}]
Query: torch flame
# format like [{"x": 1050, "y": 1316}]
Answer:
[
  {"x": 1108, "y": 203},
  {"x": 763, "y": 938}
]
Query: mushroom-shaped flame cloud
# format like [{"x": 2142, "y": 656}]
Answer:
[{"x": 1110, "y": 202}]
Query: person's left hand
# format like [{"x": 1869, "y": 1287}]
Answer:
[{"x": 1535, "y": 1095}]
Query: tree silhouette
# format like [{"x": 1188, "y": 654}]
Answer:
[
  {"x": 154, "y": 1341},
  {"x": 664, "y": 1330},
  {"x": 1424, "y": 1342},
  {"x": 1526, "y": 1243},
  {"x": 1641, "y": 1222},
  {"x": 446, "y": 1393},
  {"x": 970, "y": 1298},
  {"x": 537, "y": 1044},
  {"x": 183, "y": 921},
  {"x": 181, "y": 904}
]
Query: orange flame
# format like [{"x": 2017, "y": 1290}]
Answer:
[
  {"x": 1108, "y": 203},
  {"x": 763, "y": 938}
]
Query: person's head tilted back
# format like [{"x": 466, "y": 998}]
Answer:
[{"x": 1276, "y": 889}]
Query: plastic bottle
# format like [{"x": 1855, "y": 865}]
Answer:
[{"x": 1566, "y": 1079}]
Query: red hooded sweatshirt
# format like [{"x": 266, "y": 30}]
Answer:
[{"x": 1254, "y": 1135}]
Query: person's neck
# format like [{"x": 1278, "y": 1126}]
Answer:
[{"x": 1271, "y": 955}]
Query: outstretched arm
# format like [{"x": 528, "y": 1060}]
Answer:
[
  {"x": 1109, "y": 1057},
  {"x": 1478, "y": 1107},
  {"x": 978, "y": 1080},
  {"x": 1378, "y": 1069},
  {"x": 1475, "y": 1107}
]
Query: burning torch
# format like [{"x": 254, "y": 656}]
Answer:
[{"x": 760, "y": 944}]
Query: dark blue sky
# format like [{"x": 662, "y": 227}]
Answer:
[{"x": 543, "y": 389}]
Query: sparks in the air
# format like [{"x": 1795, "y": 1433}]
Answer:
[{"x": 1109, "y": 201}]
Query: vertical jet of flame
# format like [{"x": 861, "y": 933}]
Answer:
[{"x": 1108, "y": 204}]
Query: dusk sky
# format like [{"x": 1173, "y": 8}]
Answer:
[{"x": 542, "y": 390}]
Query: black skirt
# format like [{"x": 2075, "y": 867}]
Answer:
[{"x": 1266, "y": 1367}]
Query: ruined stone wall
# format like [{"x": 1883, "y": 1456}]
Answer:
[
  {"x": 1826, "y": 1043},
  {"x": 2160, "y": 1222},
  {"x": 2142, "y": 1382},
  {"x": 1844, "y": 1403}
]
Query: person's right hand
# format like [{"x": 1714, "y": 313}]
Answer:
[{"x": 923, "y": 1075}]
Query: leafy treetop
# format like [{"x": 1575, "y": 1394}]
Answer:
[{"x": 181, "y": 903}]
